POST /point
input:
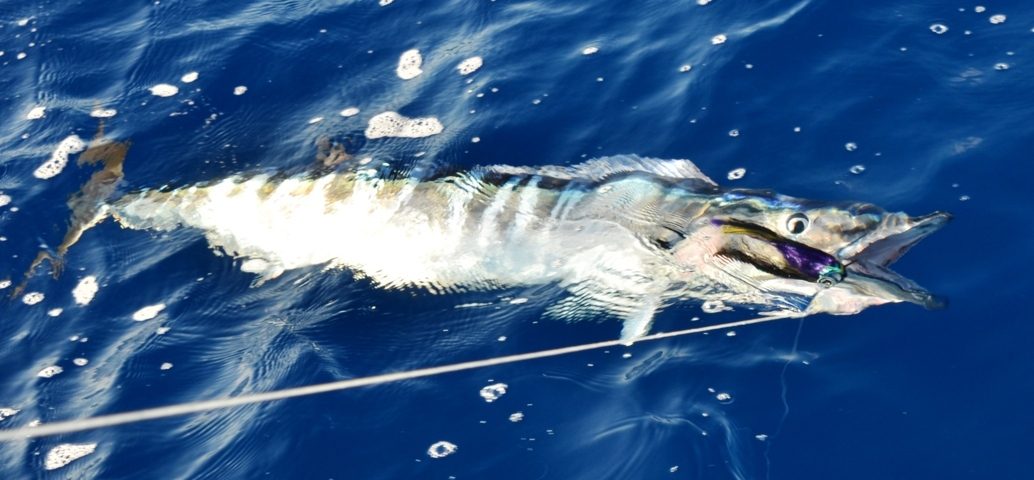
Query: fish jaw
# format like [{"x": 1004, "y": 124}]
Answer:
[
  {"x": 867, "y": 285},
  {"x": 869, "y": 281},
  {"x": 894, "y": 236}
]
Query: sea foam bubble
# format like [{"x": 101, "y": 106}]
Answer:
[
  {"x": 59, "y": 159},
  {"x": 470, "y": 65},
  {"x": 36, "y": 113},
  {"x": 441, "y": 449},
  {"x": 148, "y": 312},
  {"x": 409, "y": 64},
  {"x": 164, "y": 90},
  {"x": 66, "y": 453},
  {"x": 391, "y": 124},
  {"x": 85, "y": 290},
  {"x": 492, "y": 392},
  {"x": 103, "y": 112}
]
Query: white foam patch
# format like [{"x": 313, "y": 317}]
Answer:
[
  {"x": 470, "y": 65},
  {"x": 350, "y": 112},
  {"x": 32, "y": 298},
  {"x": 36, "y": 113},
  {"x": 189, "y": 77},
  {"x": 66, "y": 453},
  {"x": 7, "y": 413},
  {"x": 492, "y": 392},
  {"x": 85, "y": 290},
  {"x": 4, "y": 200},
  {"x": 80, "y": 362},
  {"x": 409, "y": 64},
  {"x": 166, "y": 366},
  {"x": 997, "y": 19},
  {"x": 391, "y": 124},
  {"x": 148, "y": 312},
  {"x": 164, "y": 90},
  {"x": 472, "y": 305},
  {"x": 516, "y": 417},
  {"x": 240, "y": 90},
  {"x": 23, "y": 22},
  {"x": 385, "y": 3},
  {"x": 103, "y": 112},
  {"x": 55, "y": 312},
  {"x": 939, "y": 28},
  {"x": 441, "y": 449},
  {"x": 162, "y": 330},
  {"x": 714, "y": 306},
  {"x": 590, "y": 50},
  {"x": 736, "y": 173},
  {"x": 50, "y": 372},
  {"x": 4, "y": 284},
  {"x": 59, "y": 159},
  {"x": 315, "y": 120},
  {"x": 719, "y": 39}
]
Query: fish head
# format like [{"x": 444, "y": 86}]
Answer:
[
  {"x": 867, "y": 240},
  {"x": 835, "y": 254}
]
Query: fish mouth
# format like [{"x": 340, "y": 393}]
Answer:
[
  {"x": 868, "y": 258},
  {"x": 883, "y": 285}
]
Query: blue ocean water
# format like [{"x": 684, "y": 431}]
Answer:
[{"x": 939, "y": 122}]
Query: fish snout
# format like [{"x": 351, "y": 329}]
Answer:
[
  {"x": 930, "y": 223},
  {"x": 894, "y": 236}
]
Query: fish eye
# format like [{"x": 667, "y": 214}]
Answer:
[{"x": 797, "y": 223}]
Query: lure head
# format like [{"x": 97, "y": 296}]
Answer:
[{"x": 834, "y": 255}]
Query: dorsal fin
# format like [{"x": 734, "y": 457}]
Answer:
[{"x": 599, "y": 169}]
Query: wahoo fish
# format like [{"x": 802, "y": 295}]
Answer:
[{"x": 620, "y": 236}]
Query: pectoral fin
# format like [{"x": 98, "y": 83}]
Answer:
[
  {"x": 591, "y": 301},
  {"x": 638, "y": 321}
]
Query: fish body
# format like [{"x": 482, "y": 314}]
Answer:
[{"x": 622, "y": 236}]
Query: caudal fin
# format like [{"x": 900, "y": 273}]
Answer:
[{"x": 88, "y": 205}]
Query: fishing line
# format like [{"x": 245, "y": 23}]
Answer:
[
  {"x": 783, "y": 396},
  {"x": 103, "y": 421}
]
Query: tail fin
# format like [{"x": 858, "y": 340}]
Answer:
[{"x": 89, "y": 204}]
